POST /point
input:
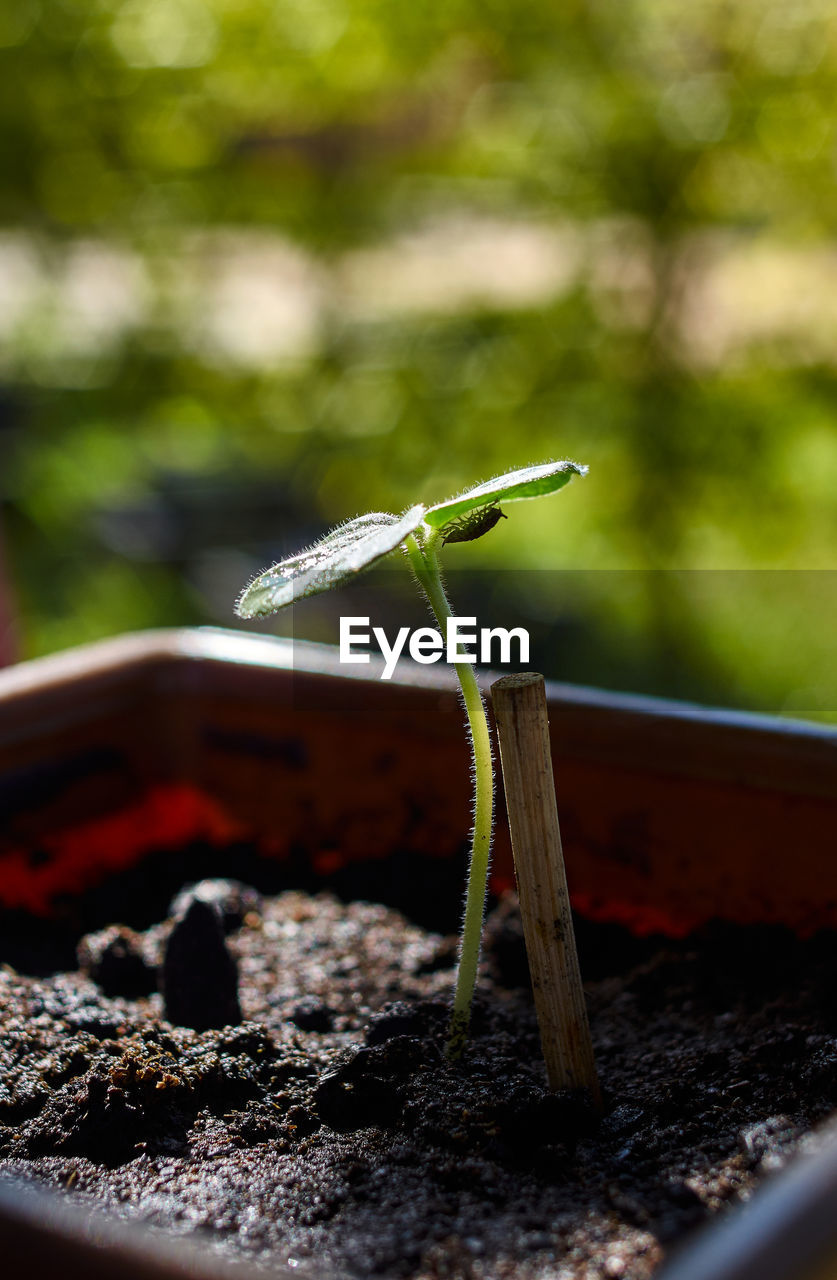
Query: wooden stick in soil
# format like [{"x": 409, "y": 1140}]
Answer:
[{"x": 522, "y": 721}]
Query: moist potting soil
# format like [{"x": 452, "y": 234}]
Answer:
[{"x": 270, "y": 1073}]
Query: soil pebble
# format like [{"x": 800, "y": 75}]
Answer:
[
  {"x": 312, "y": 1014},
  {"x": 114, "y": 958},
  {"x": 200, "y": 976},
  {"x": 233, "y": 900}
]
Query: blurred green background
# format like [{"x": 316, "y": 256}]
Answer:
[{"x": 267, "y": 265}]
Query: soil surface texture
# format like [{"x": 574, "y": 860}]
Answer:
[{"x": 322, "y": 1126}]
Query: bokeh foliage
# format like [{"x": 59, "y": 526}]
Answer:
[{"x": 225, "y": 323}]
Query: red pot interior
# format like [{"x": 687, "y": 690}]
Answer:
[{"x": 671, "y": 815}]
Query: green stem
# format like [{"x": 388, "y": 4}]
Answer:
[{"x": 426, "y": 568}]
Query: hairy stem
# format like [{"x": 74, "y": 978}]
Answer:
[{"x": 426, "y": 568}]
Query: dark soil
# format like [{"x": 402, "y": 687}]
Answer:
[{"x": 327, "y": 1129}]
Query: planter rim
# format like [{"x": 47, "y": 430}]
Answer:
[
  {"x": 785, "y": 1232},
  {"x": 219, "y": 644},
  {"x": 700, "y": 805},
  {"x": 45, "y": 1233}
]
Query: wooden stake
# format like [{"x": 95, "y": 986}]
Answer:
[{"x": 523, "y": 732}]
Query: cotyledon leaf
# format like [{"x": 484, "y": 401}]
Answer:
[
  {"x": 527, "y": 482},
  {"x": 341, "y": 554}
]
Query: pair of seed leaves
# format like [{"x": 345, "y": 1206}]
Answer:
[{"x": 354, "y": 546}]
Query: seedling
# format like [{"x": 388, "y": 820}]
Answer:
[{"x": 420, "y": 531}]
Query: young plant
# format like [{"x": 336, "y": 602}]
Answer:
[{"x": 420, "y": 532}]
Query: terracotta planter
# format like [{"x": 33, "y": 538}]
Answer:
[{"x": 671, "y": 814}]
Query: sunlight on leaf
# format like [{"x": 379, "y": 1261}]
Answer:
[
  {"x": 340, "y": 555},
  {"x": 528, "y": 482}
]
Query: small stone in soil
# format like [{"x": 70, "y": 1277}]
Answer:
[
  {"x": 312, "y": 1014},
  {"x": 113, "y": 959},
  {"x": 766, "y": 1143},
  {"x": 233, "y": 899},
  {"x": 200, "y": 977}
]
